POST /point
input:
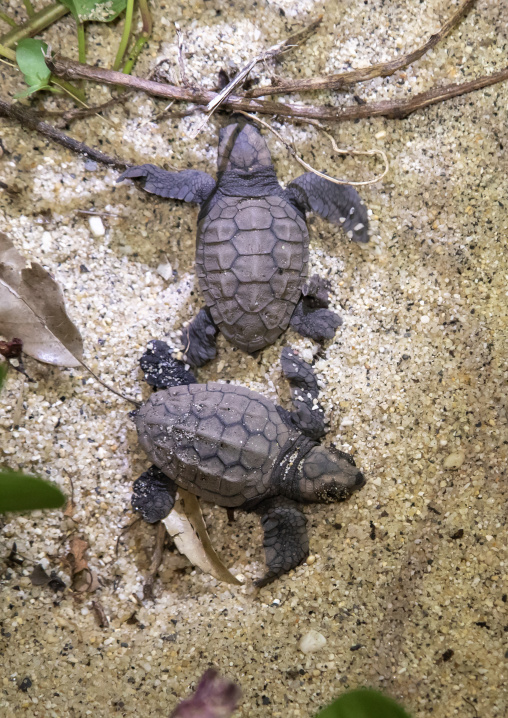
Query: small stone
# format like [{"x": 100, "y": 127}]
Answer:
[
  {"x": 379, "y": 135},
  {"x": 96, "y": 227},
  {"x": 454, "y": 461},
  {"x": 25, "y": 684},
  {"x": 425, "y": 319},
  {"x": 312, "y": 641},
  {"x": 46, "y": 241},
  {"x": 311, "y": 560},
  {"x": 357, "y": 532},
  {"x": 165, "y": 271},
  {"x": 90, "y": 166}
]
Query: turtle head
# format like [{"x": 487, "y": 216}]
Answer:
[
  {"x": 242, "y": 149},
  {"x": 328, "y": 475}
]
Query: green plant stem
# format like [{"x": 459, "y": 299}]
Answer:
[
  {"x": 40, "y": 21},
  {"x": 7, "y": 19},
  {"x": 8, "y": 53},
  {"x": 71, "y": 90},
  {"x": 29, "y": 8},
  {"x": 125, "y": 35},
  {"x": 81, "y": 42},
  {"x": 143, "y": 37},
  {"x": 134, "y": 54}
]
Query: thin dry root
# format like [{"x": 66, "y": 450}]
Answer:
[{"x": 336, "y": 149}]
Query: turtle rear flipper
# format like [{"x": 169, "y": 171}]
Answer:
[
  {"x": 286, "y": 542},
  {"x": 187, "y": 185},
  {"x": 311, "y": 317},
  {"x": 153, "y": 495},
  {"x": 308, "y": 416},
  {"x": 338, "y": 203},
  {"x": 199, "y": 339},
  {"x": 161, "y": 369}
]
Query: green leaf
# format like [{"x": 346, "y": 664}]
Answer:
[
  {"x": 363, "y": 703},
  {"x": 34, "y": 88},
  {"x": 96, "y": 10},
  {"x": 30, "y": 59},
  {"x": 19, "y": 492}
]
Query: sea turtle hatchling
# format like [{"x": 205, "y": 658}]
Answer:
[
  {"x": 235, "y": 448},
  {"x": 252, "y": 245}
]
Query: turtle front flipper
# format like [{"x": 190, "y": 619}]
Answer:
[
  {"x": 285, "y": 542},
  {"x": 161, "y": 369},
  {"x": 187, "y": 185},
  {"x": 308, "y": 415},
  {"x": 199, "y": 339},
  {"x": 153, "y": 495},
  {"x": 338, "y": 203},
  {"x": 311, "y": 317}
]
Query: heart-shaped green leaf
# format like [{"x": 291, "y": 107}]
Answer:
[
  {"x": 19, "y": 492},
  {"x": 30, "y": 59},
  {"x": 363, "y": 703},
  {"x": 96, "y": 10}
]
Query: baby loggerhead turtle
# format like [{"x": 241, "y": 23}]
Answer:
[
  {"x": 252, "y": 245},
  {"x": 235, "y": 448}
]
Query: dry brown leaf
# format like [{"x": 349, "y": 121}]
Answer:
[
  {"x": 85, "y": 581},
  {"x": 185, "y": 524},
  {"x": 32, "y": 308},
  {"x": 76, "y": 556},
  {"x": 39, "y": 577},
  {"x": 69, "y": 509}
]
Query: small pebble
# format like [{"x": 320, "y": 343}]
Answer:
[
  {"x": 311, "y": 560},
  {"x": 312, "y": 641},
  {"x": 454, "y": 460},
  {"x": 425, "y": 319},
  {"x": 165, "y": 271},
  {"x": 96, "y": 227}
]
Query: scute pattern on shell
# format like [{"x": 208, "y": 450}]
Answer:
[
  {"x": 251, "y": 261},
  {"x": 216, "y": 440}
]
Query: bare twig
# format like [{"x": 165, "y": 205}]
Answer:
[
  {"x": 273, "y": 51},
  {"x": 31, "y": 120},
  {"x": 181, "y": 57},
  {"x": 394, "y": 109},
  {"x": 70, "y": 115},
  {"x": 156, "y": 561},
  {"x": 334, "y": 145},
  {"x": 124, "y": 531},
  {"x": 363, "y": 74}
]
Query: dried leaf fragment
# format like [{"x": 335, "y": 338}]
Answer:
[
  {"x": 185, "y": 524},
  {"x": 214, "y": 697},
  {"x": 100, "y": 614},
  {"x": 39, "y": 577},
  {"x": 32, "y": 309},
  {"x": 12, "y": 349},
  {"x": 84, "y": 579},
  {"x": 76, "y": 556}
]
